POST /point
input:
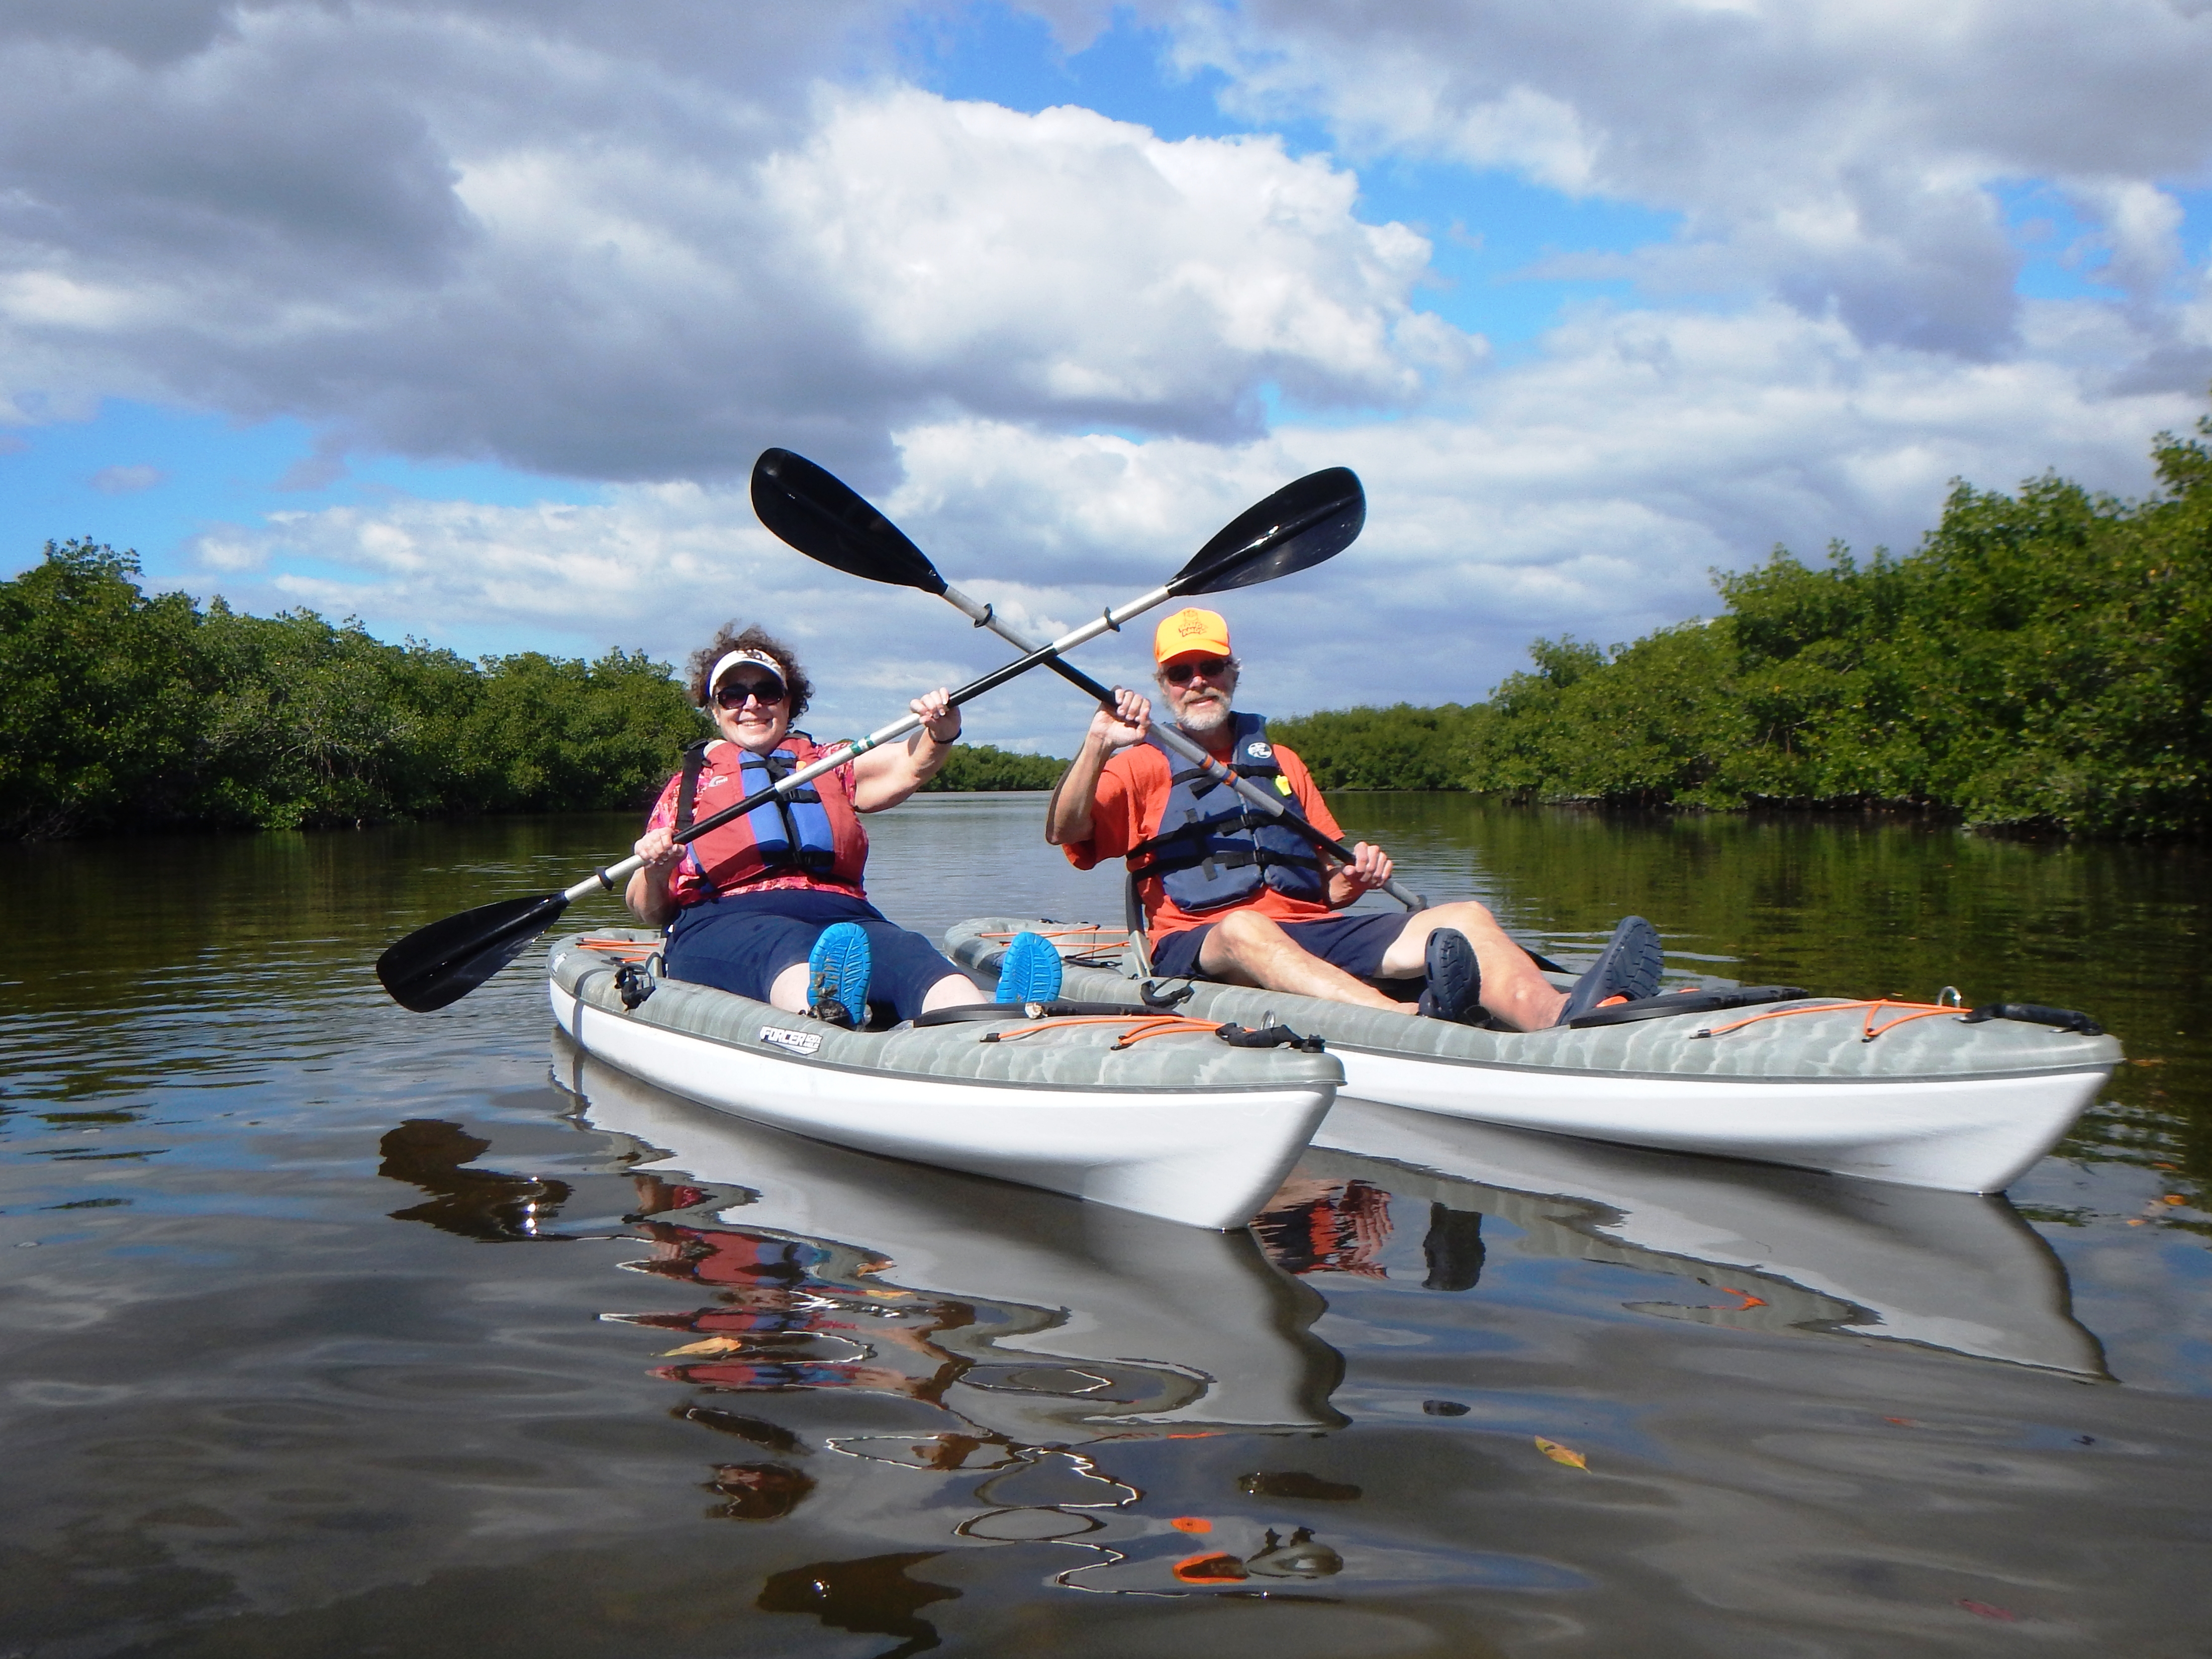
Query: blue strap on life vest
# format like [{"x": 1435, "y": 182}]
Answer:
[{"x": 790, "y": 831}]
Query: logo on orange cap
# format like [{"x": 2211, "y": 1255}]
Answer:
[{"x": 1191, "y": 630}]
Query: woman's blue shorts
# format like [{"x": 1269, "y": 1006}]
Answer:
[{"x": 741, "y": 942}]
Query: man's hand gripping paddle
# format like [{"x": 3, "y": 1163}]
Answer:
[
  {"x": 821, "y": 516},
  {"x": 1298, "y": 526}
]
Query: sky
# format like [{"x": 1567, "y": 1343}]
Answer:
[{"x": 470, "y": 317}]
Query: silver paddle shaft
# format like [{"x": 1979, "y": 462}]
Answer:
[
  {"x": 984, "y": 616},
  {"x": 601, "y": 880}
]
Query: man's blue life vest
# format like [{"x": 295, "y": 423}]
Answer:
[{"x": 1213, "y": 848}]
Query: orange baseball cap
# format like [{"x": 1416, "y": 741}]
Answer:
[{"x": 1189, "y": 630}]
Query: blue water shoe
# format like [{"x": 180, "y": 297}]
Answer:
[
  {"x": 837, "y": 976},
  {"x": 1029, "y": 970},
  {"x": 1454, "y": 990}
]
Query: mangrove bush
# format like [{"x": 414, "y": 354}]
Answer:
[
  {"x": 129, "y": 709},
  {"x": 2044, "y": 659}
]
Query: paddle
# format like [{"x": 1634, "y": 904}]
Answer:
[
  {"x": 1298, "y": 525},
  {"x": 823, "y": 518}
]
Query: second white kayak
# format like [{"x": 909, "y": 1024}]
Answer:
[{"x": 1916, "y": 1095}]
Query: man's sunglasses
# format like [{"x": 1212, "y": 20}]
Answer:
[
  {"x": 1179, "y": 673},
  {"x": 732, "y": 694}
]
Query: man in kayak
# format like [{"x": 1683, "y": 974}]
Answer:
[
  {"x": 770, "y": 906},
  {"x": 1229, "y": 894}
]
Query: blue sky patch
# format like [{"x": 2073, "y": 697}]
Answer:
[{"x": 143, "y": 476}]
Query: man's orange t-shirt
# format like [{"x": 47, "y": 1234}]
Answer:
[{"x": 1133, "y": 793}]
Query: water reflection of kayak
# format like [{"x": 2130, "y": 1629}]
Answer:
[
  {"x": 1786, "y": 1249},
  {"x": 1179, "y": 1124},
  {"x": 858, "y": 1313},
  {"x": 1032, "y": 1320},
  {"x": 1905, "y": 1093}
]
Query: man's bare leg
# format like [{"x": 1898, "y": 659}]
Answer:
[
  {"x": 1512, "y": 989},
  {"x": 1244, "y": 949}
]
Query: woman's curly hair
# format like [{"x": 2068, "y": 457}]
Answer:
[{"x": 753, "y": 638}]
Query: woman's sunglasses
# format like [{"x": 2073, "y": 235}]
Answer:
[
  {"x": 1179, "y": 673},
  {"x": 732, "y": 693}
]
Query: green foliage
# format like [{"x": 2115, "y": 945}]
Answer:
[
  {"x": 984, "y": 766},
  {"x": 130, "y": 710},
  {"x": 2044, "y": 658},
  {"x": 1400, "y": 747},
  {"x": 1647, "y": 722}
]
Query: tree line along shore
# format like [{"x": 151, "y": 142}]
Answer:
[
  {"x": 130, "y": 710},
  {"x": 2043, "y": 660}
]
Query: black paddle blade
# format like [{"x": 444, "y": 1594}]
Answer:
[
  {"x": 446, "y": 961},
  {"x": 823, "y": 518},
  {"x": 1304, "y": 522}
]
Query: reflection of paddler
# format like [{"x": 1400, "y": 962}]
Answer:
[
  {"x": 1319, "y": 1226},
  {"x": 757, "y": 1491},
  {"x": 1038, "y": 1296},
  {"x": 1768, "y": 1249},
  {"x": 482, "y": 1204},
  {"x": 775, "y": 1299}
]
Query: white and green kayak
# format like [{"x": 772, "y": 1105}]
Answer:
[
  {"x": 1163, "y": 1118},
  {"x": 1925, "y": 1095}
]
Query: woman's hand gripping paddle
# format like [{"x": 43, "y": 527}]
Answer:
[
  {"x": 824, "y": 519},
  {"x": 1298, "y": 526}
]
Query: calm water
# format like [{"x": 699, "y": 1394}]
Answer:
[{"x": 328, "y": 1329}]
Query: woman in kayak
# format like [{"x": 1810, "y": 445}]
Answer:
[{"x": 770, "y": 905}]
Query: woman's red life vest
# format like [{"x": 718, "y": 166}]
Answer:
[{"x": 811, "y": 836}]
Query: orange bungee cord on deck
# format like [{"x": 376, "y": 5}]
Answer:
[
  {"x": 1144, "y": 1027},
  {"x": 1868, "y": 1029},
  {"x": 1141, "y": 1026},
  {"x": 623, "y": 949}
]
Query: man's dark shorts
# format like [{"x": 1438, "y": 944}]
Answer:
[
  {"x": 741, "y": 943},
  {"x": 1355, "y": 944}
]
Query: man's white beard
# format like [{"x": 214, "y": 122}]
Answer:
[{"x": 1202, "y": 715}]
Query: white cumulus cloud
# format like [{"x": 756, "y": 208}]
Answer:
[{"x": 519, "y": 234}]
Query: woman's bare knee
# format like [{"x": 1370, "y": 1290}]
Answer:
[{"x": 955, "y": 990}]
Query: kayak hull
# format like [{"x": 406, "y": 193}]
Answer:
[
  {"x": 1197, "y": 1134},
  {"x": 1925, "y": 1102},
  {"x": 1975, "y": 1134}
]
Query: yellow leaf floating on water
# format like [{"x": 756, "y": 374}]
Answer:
[
  {"x": 710, "y": 1345},
  {"x": 1558, "y": 1454}
]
